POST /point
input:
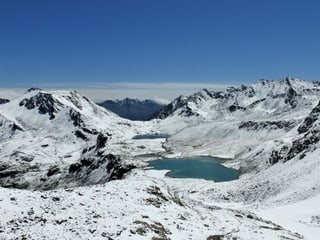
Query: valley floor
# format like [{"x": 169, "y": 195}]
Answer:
[{"x": 272, "y": 204}]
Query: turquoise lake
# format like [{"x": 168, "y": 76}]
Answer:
[
  {"x": 196, "y": 167},
  {"x": 150, "y": 136}
]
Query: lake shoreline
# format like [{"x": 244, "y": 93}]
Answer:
[{"x": 199, "y": 167}]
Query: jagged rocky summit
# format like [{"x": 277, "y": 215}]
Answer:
[{"x": 264, "y": 97}]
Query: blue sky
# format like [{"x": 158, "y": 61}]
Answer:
[{"x": 114, "y": 45}]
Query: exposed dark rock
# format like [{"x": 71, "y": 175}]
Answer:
[
  {"x": 34, "y": 89},
  {"x": 73, "y": 97},
  {"x": 233, "y": 108},
  {"x": 154, "y": 227},
  {"x": 78, "y": 122},
  {"x": 74, "y": 167},
  {"x": 10, "y": 173},
  {"x": 16, "y": 127},
  {"x": 278, "y": 155},
  {"x": 10, "y": 126},
  {"x": 81, "y": 135},
  {"x": 218, "y": 95},
  {"x": 101, "y": 141},
  {"x": 75, "y": 117},
  {"x": 87, "y": 149},
  {"x": 299, "y": 146},
  {"x": 248, "y": 91},
  {"x": 112, "y": 164},
  {"x": 21, "y": 156},
  {"x": 55, "y": 199},
  {"x": 313, "y": 117},
  {"x": 133, "y": 109},
  {"x": 255, "y": 103},
  {"x": 311, "y": 135},
  {"x": 215, "y": 237},
  {"x": 291, "y": 94},
  {"x": 90, "y": 131},
  {"x": 302, "y": 144},
  {"x": 21, "y": 185},
  {"x": 53, "y": 170},
  {"x": 3, "y": 101},
  {"x": 170, "y": 108},
  {"x": 273, "y": 125},
  {"x": 250, "y": 216},
  {"x": 44, "y": 102}
]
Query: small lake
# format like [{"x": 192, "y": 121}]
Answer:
[
  {"x": 196, "y": 167},
  {"x": 150, "y": 136}
]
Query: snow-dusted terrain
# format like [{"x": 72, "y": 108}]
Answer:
[{"x": 70, "y": 169}]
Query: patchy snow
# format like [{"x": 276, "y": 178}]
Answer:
[
  {"x": 146, "y": 207},
  {"x": 302, "y": 216},
  {"x": 274, "y": 143}
]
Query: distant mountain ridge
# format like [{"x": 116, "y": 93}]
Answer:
[
  {"x": 133, "y": 109},
  {"x": 262, "y": 97}
]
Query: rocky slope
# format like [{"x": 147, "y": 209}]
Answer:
[
  {"x": 236, "y": 122},
  {"x": 51, "y": 139},
  {"x": 262, "y": 99}
]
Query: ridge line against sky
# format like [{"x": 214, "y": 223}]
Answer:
[
  {"x": 164, "y": 92},
  {"x": 80, "y": 43}
]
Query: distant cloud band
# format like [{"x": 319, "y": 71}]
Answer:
[{"x": 102, "y": 91}]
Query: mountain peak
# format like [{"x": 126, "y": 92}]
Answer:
[
  {"x": 264, "y": 95},
  {"x": 34, "y": 89},
  {"x": 44, "y": 102}
]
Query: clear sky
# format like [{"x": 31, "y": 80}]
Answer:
[{"x": 138, "y": 45}]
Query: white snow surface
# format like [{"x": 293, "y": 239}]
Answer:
[{"x": 269, "y": 201}]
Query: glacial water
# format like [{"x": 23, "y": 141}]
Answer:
[
  {"x": 150, "y": 136},
  {"x": 196, "y": 167}
]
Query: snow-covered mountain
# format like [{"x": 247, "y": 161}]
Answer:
[
  {"x": 64, "y": 143},
  {"x": 58, "y": 138},
  {"x": 133, "y": 109},
  {"x": 234, "y": 122},
  {"x": 264, "y": 98}
]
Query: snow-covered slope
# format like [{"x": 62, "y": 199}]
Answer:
[
  {"x": 260, "y": 99},
  {"x": 234, "y": 122},
  {"x": 59, "y": 138},
  {"x": 271, "y": 130},
  {"x": 138, "y": 207}
]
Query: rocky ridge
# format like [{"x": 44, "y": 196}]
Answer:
[{"x": 132, "y": 109}]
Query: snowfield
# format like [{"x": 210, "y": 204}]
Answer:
[{"x": 70, "y": 169}]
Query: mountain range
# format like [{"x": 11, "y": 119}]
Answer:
[
  {"x": 132, "y": 109},
  {"x": 86, "y": 177}
]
